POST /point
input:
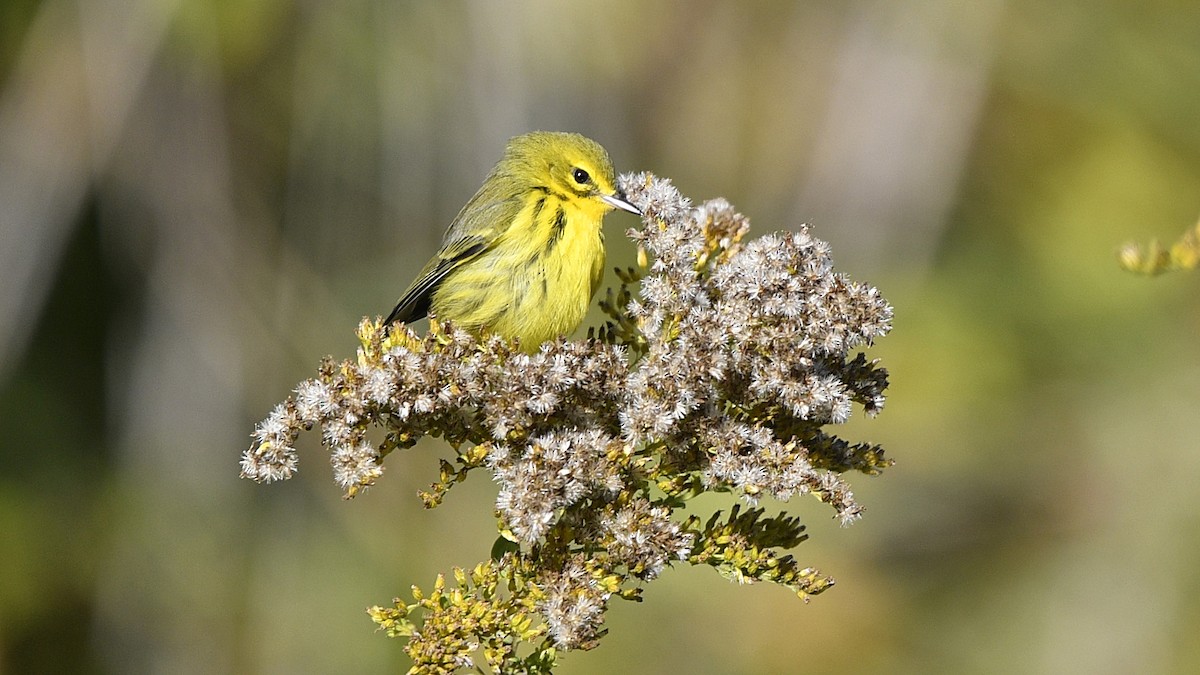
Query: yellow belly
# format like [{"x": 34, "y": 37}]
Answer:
[{"x": 534, "y": 286}]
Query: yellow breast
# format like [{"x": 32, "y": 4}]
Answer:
[{"x": 536, "y": 282}]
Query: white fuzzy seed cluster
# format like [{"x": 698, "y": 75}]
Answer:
[
  {"x": 730, "y": 364},
  {"x": 748, "y": 347}
]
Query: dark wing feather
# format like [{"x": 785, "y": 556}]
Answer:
[
  {"x": 414, "y": 304},
  {"x": 474, "y": 230}
]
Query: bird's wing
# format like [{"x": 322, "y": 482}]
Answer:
[
  {"x": 472, "y": 232},
  {"x": 486, "y": 215},
  {"x": 414, "y": 304}
]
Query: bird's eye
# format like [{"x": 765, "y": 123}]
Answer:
[{"x": 581, "y": 176}]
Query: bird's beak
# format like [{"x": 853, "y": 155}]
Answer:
[{"x": 618, "y": 203}]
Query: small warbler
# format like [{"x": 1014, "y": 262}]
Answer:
[{"x": 523, "y": 258}]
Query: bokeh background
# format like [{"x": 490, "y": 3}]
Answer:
[{"x": 200, "y": 198}]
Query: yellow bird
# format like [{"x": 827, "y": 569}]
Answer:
[{"x": 523, "y": 258}]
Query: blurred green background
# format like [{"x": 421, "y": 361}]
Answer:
[{"x": 200, "y": 198}]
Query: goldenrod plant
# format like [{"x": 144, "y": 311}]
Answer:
[
  {"x": 1153, "y": 259},
  {"x": 724, "y": 367}
]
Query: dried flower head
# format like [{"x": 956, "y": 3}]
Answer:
[{"x": 722, "y": 373}]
